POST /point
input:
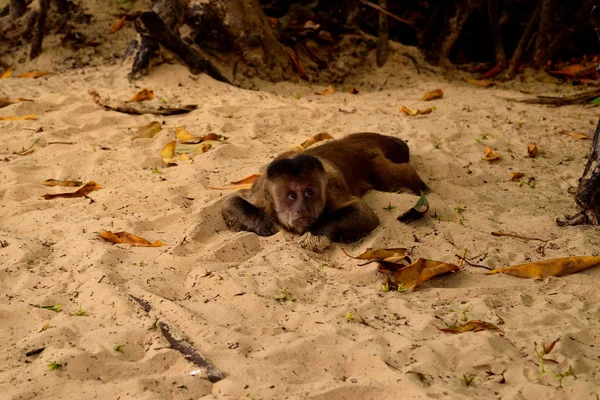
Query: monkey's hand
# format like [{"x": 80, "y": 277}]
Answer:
[{"x": 316, "y": 243}]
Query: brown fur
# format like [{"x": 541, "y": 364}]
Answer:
[{"x": 332, "y": 209}]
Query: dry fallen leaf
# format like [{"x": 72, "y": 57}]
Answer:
[
  {"x": 148, "y": 131},
  {"x": 144, "y": 94},
  {"x": 315, "y": 139},
  {"x": 81, "y": 192},
  {"x": 420, "y": 271},
  {"x": 516, "y": 175},
  {"x": 434, "y": 94},
  {"x": 352, "y": 90},
  {"x": 472, "y": 326},
  {"x": 35, "y": 74},
  {"x": 576, "y": 135},
  {"x": 18, "y": 118},
  {"x": 249, "y": 179},
  {"x": 553, "y": 267},
  {"x": 203, "y": 148},
  {"x": 7, "y": 102},
  {"x": 117, "y": 25},
  {"x": 56, "y": 182},
  {"x": 416, "y": 212},
  {"x": 128, "y": 238},
  {"x": 412, "y": 112},
  {"x": 388, "y": 260},
  {"x": 482, "y": 83},
  {"x": 329, "y": 90},
  {"x": 532, "y": 150},
  {"x": 214, "y": 136},
  {"x": 490, "y": 155},
  {"x": 6, "y": 74},
  {"x": 185, "y": 137},
  {"x": 168, "y": 152},
  {"x": 550, "y": 346}
]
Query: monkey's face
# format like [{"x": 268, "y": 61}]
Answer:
[{"x": 298, "y": 203}]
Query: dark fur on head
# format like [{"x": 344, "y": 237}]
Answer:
[{"x": 294, "y": 167}]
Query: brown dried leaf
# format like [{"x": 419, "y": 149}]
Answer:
[
  {"x": 575, "y": 135},
  {"x": 6, "y": 74},
  {"x": 144, "y": 94},
  {"x": 434, "y": 94},
  {"x": 18, "y": 118},
  {"x": 117, "y": 25},
  {"x": 553, "y": 267},
  {"x": 203, "y": 148},
  {"x": 490, "y": 155},
  {"x": 516, "y": 175},
  {"x": 352, "y": 90},
  {"x": 532, "y": 150},
  {"x": 482, "y": 83},
  {"x": 213, "y": 136},
  {"x": 56, "y": 182},
  {"x": 35, "y": 74},
  {"x": 380, "y": 254},
  {"x": 315, "y": 139},
  {"x": 148, "y": 131},
  {"x": 81, "y": 192},
  {"x": 329, "y": 90},
  {"x": 472, "y": 326},
  {"x": 128, "y": 238},
  {"x": 247, "y": 180},
  {"x": 550, "y": 346},
  {"x": 7, "y": 102},
  {"x": 412, "y": 112},
  {"x": 420, "y": 271}
]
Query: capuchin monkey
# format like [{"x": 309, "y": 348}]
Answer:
[{"x": 317, "y": 192}]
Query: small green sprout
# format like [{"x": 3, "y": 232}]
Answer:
[
  {"x": 285, "y": 296},
  {"x": 298, "y": 96},
  {"x": 349, "y": 316},
  {"x": 468, "y": 379},
  {"x": 55, "y": 308},
  {"x": 155, "y": 170},
  {"x": 459, "y": 208},
  {"x": 389, "y": 207},
  {"x": 229, "y": 116},
  {"x": 142, "y": 263},
  {"x": 385, "y": 287},
  {"x": 436, "y": 145},
  {"x": 322, "y": 265},
  {"x": 464, "y": 312},
  {"x": 401, "y": 288},
  {"x": 80, "y": 313},
  {"x": 119, "y": 348},
  {"x": 163, "y": 100},
  {"x": 53, "y": 365},
  {"x": 29, "y": 262},
  {"x": 560, "y": 375}
]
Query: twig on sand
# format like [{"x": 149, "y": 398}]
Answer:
[
  {"x": 473, "y": 265},
  {"x": 513, "y": 235}
]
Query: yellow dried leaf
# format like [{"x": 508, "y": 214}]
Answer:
[
  {"x": 81, "y": 192},
  {"x": 575, "y": 135},
  {"x": 6, "y": 74},
  {"x": 532, "y": 150},
  {"x": 329, "y": 90},
  {"x": 490, "y": 155},
  {"x": 183, "y": 135},
  {"x": 117, "y": 25},
  {"x": 203, "y": 148},
  {"x": 56, "y": 182},
  {"x": 148, "y": 131},
  {"x": 553, "y": 267},
  {"x": 420, "y": 271},
  {"x": 434, "y": 94},
  {"x": 380, "y": 254},
  {"x": 246, "y": 180},
  {"x": 516, "y": 175},
  {"x": 35, "y": 74},
  {"x": 144, "y": 94},
  {"x": 315, "y": 139},
  {"x": 413, "y": 112},
  {"x": 482, "y": 83},
  {"x": 128, "y": 238},
  {"x": 6, "y": 102},
  {"x": 167, "y": 153},
  {"x": 18, "y": 118}
]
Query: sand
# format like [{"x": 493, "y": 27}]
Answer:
[{"x": 218, "y": 288}]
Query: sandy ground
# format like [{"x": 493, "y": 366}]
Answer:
[{"x": 218, "y": 287}]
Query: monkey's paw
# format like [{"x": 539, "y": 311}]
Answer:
[{"x": 316, "y": 243}]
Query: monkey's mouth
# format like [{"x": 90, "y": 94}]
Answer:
[{"x": 302, "y": 225}]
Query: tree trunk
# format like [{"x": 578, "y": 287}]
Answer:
[
  {"x": 17, "y": 8},
  {"x": 383, "y": 46},
  {"x": 39, "y": 29}
]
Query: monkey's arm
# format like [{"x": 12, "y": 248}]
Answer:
[
  {"x": 352, "y": 221},
  {"x": 241, "y": 215}
]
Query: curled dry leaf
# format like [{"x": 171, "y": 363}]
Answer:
[
  {"x": 81, "y": 192},
  {"x": 490, "y": 155},
  {"x": 185, "y": 137},
  {"x": 203, "y": 147},
  {"x": 415, "y": 212},
  {"x": 516, "y": 175},
  {"x": 6, "y": 74},
  {"x": 7, "y": 102},
  {"x": 550, "y": 346},
  {"x": 575, "y": 135},
  {"x": 553, "y": 267},
  {"x": 56, "y": 182},
  {"x": 117, "y": 25},
  {"x": 387, "y": 259},
  {"x": 532, "y": 150},
  {"x": 482, "y": 83},
  {"x": 19, "y": 118},
  {"x": 148, "y": 131},
  {"x": 144, "y": 94},
  {"x": 329, "y": 90},
  {"x": 420, "y": 271},
  {"x": 128, "y": 238},
  {"x": 472, "y": 326},
  {"x": 35, "y": 74},
  {"x": 412, "y": 112},
  {"x": 319, "y": 137},
  {"x": 247, "y": 180},
  {"x": 434, "y": 94},
  {"x": 353, "y": 91}
]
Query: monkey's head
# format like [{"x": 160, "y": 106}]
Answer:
[{"x": 296, "y": 189}]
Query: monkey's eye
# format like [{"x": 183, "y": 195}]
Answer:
[
  {"x": 308, "y": 193},
  {"x": 292, "y": 196}
]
